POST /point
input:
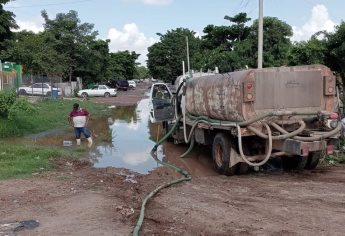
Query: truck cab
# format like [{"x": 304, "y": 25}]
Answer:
[{"x": 161, "y": 103}]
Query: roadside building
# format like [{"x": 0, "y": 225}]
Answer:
[{"x": 10, "y": 75}]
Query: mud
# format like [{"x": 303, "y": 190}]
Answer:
[
  {"x": 125, "y": 98},
  {"x": 78, "y": 199}
]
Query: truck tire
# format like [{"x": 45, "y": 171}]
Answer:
[
  {"x": 106, "y": 94},
  {"x": 48, "y": 94},
  {"x": 84, "y": 95},
  {"x": 221, "y": 155},
  {"x": 313, "y": 160},
  {"x": 297, "y": 163}
]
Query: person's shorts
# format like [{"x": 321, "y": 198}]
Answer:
[{"x": 79, "y": 130}]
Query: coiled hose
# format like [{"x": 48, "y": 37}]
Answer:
[
  {"x": 269, "y": 151},
  {"x": 186, "y": 177},
  {"x": 279, "y": 137},
  {"x": 313, "y": 138}
]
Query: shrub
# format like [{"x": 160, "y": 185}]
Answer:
[
  {"x": 7, "y": 99},
  {"x": 20, "y": 105}
]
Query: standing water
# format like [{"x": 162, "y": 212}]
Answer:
[
  {"x": 124, "y": 140},
  {"x": 132, "y": 138}
]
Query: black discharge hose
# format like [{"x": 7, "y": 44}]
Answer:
[{"x": 184, "y": 173}]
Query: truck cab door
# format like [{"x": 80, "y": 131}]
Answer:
[{"x": 161, "y": 103}]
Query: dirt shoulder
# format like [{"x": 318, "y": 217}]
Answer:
[
  {"x": 77, "y": 199},
  {"x": 125, "y": 98}
]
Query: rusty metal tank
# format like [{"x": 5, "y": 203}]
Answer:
[{"x": 243, "y": 95}]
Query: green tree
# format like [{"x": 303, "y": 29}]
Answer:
[
  {"x": 142, "y": 72},
  {"x": 122, "y": 66},
  {"x": 7, "y": 23},
  {"x": 227, "y": 46},
  {"x": 239, "y": 30},
  {"x": 70, "y": 38},
  {"x": 165, "y": 57},
  {"x": 36, "y": 53},
  {"x": 276, "y": 42},
  {"x": 335, "y": 56},
  {"x": 226, "y": 36},
  {"x": 308, "y": 52},
  {"x": 94, "y": 65}
]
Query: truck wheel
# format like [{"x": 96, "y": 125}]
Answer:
[
  {"x": 313, "y": 160},
  {"x": 221, "y": 155},
  {"x": 48, "y": 94},
  {"x": 84, "y": 95},
  {"x": 295, "y": 162},
  {"x": 107, "y": 95}
]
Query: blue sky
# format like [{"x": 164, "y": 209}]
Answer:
[{"x": 133, "y": 24}]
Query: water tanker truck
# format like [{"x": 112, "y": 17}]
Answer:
[{"x": 249, "y": 117}]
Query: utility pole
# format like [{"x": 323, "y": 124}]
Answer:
[
  {"x": 260, "y": 38},
  {"x": 188, "y": 65}
]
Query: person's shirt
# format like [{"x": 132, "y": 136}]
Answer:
[{"x": 79, "y": 117}]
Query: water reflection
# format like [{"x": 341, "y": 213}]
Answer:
[{"x": 132, "y": 140}]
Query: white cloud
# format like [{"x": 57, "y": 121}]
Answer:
[
  {"x": 318, "y": 21},
  {"x": 133, "y": 125},
  {"x": 34, "y": 26},
  {"x": 30, "y": 26},
  {"x": 136, "y": 158},
  {"x": 131, "y": 39}
]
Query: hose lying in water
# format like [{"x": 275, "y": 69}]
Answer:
[{"x": 186, "y": 177}]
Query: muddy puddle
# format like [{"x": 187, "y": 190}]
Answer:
[
  {"x": 124, "y": 140},
  {"x": 131, "y": 136}
]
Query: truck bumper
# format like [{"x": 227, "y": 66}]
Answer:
[{"x": 301, "y": 148}]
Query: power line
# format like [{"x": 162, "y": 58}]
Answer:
[
  {"x": 49, "y": 4},
  {"x": 245, "y": 6}
]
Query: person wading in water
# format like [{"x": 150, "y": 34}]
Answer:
[{"x": 78, "y": 118}]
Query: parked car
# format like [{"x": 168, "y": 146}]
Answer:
[
  {"x": 43, "y": 89},
  {"x": 132, "y": 84},
  {"x": 119, "y": 84},
  {"x": 98, "y": 90}
]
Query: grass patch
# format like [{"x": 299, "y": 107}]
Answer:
[
  {"x": 23, "y": 160},
  {"x": 336, "y": 158},
  {"x": 49, "y": 114}
]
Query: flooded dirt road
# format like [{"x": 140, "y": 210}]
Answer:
[{"x": 79, "y": 199}]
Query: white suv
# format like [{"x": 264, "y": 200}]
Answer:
[{"x": 39, "y": 89}]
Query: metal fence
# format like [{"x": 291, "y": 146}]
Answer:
[
  {"x": 8, "y": 80},
  {"x": 36, "y": 85}
]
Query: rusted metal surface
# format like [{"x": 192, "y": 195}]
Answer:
[
  {"x": 298, "y": 147},
  {"x": 224, "y": 97},
  {"x": 217, "y": 96}
]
